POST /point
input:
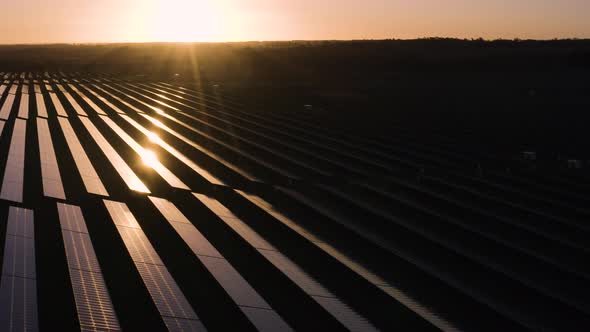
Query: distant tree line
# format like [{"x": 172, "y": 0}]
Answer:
[{"x": 300, "y": 60}]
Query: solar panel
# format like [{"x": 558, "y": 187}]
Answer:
[
  {"x": 19, "y": 257},
  {"x": 164, "y": 172},
  {"x": 144, "y": 96},
  {"x": 346, "y": 315},
  {"x": 52, "y": 185},
  {"x": 79, "y": 251},
  {"x": 349, "y": 262},
  {"x": 182, "y": 324},
  {"x": 167, "y": 91},
  {"x": 326, "y": 247},
  {"x": 338, "y": 309},
  {"x": 130, "y": 178},
  {"x": 262, "y": 134},
  {"x": 296, "y": 273},
  {"x": 18, "y": 304},
  {"x": 120, "y": 214},
  {"x": 233, "y": 283},
  {"x": 165, "y": 293},
  {"x": 236, "y": 286},
  {"x": 157, "y": 140},
  {"x": 12, "y": 185},
  {"x": 133, "y": 98},
  {"x": 58, "y": 106},
  {"x": 202, "y": 149},
  {"x": 20, "y": 222},
  {"x": 23, "y": 109},
  {"x": 240, "y": 152},
  {"x": 104, "y": 100},
  {"x": 266, "y": 320},
  {"x": 195, "y": 240},
  {"x": 118, "y": 99},
  {"x": 89, "y": 176},
  {"x": 88, "y": 101},
  {"x": 75, "y": 104},
  {"x": 218, "y": 208},
  {"x": 265, "y": 133},
  {"x": 71, "y": 219},
  {"x": 161, "y": 93},
  {"x": 7, "y": 107},
  {"x": 169, "y": 210},
  {"x": 138, "y": 245},
  {"x": 93, "y": 303},
  {"x": 93, "y": 105},
  {"x": 18, "y": 287},
  {"x": 41, "y": 108}
]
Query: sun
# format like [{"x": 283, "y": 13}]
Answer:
[{"x": 186, "y": 21}]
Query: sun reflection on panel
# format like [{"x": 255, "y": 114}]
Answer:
[
  {"x": 153, "y": 137},
  {"x": 149, "y": 158}
]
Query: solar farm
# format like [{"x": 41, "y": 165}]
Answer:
[{"x": 146, "y": 204}]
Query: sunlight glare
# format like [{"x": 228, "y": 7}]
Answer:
[
  {"x": 153, "y": 137},
  {"x": 186, "y": 21},
  {"x": 149, "y": 158}
]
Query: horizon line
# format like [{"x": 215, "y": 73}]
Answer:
[{"x": 299, "y": 40}]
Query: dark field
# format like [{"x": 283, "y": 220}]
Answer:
[{"x": 369, "y": 185}]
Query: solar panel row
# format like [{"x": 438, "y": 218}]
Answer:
[
  {"x": 253, "y": 305},
  {"x": 347, "y": 316},
  {"x": 12, "y": 185},
  {"x": 52, "y": 185},
  {"x": 93, "y": 303},
  {"x": 528, "y": 229},
  {"x": 23, "y": 108},
  {"x": 18, "y": 287},
  {"x": 58, "y": 105},
  {"x": 89, "y": 176},
  {"x": 146, "y": 155},
  {"x": 165, "y": 293},
  {"x": 118, "y": 163}
]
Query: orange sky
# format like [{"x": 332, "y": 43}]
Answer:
[{"x": 42, "y": 21}]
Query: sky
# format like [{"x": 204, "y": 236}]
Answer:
[{"x": 81, "y": 21}]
